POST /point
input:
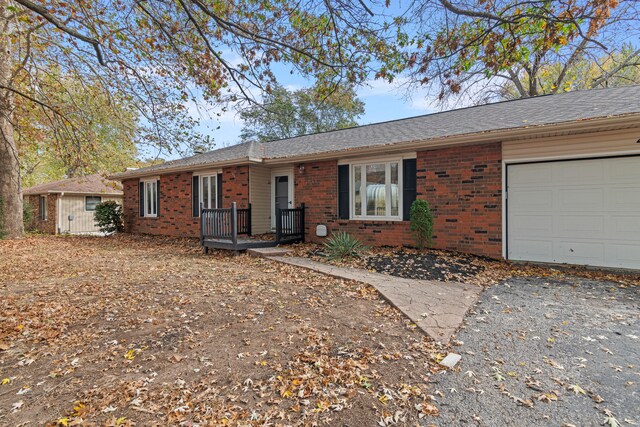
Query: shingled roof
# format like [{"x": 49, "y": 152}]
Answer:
[
  {"x": 537, "y": 112},
  {"x": 90, "y": 184}
]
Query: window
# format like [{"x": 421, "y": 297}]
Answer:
[
  {"x": 43, "y": 208},
  {"x": 376, "y": 190},
  {"x": 208, "y": 191},
  {"x": 90, "y": 203},
  {"x": 205, "y": 191},
  {"x": 150, "y": 198}
]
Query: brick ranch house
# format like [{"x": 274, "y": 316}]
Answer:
[
  {"x": 53, "y": 203},
  {"x": 553, "y": 179}
]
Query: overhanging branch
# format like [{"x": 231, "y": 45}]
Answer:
[{"x": 61, "y": 26}]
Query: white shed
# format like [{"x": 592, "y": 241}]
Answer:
[{"x": 68, "y": 206}]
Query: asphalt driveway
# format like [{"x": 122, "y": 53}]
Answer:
[{"x": 541, "y": 352}]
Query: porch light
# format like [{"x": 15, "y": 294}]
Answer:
[{"x": 301, "y": 168}]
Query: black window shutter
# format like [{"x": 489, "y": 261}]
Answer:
[
  {"x": 219, "y": 195},
  {"x": 343, "y": 191},
  {"x": 409, "y": 183},
  {"x": 195, "y": 195},
  {"x": 141, "y": 197},
  {"x": 158, "y": 197}
]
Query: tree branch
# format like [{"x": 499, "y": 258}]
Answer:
[
  {"x": 606, "y": 74},
  {"x": 572, "y": 59},
  {"x": 242, "y": 32},
  {"x": 213, "y": 52},
  {"x": 32, "y": 99},
  {"x": 61, "y": 26}
]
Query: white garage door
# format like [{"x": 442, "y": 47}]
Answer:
[{"x": 576, "y": 212}]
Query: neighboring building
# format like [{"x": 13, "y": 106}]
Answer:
[
  {"x": 554, "y": 179},
  {"x": 67, "y": 206}
]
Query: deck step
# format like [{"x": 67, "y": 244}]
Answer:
[{"x": 267, "y": 252}]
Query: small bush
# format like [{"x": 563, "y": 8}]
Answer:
[
  {"x": 108, "y": 217},
  {"x": 421, "y": 223},
  {"x": 341, "y": 245}
]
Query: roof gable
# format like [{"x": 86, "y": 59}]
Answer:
[{"x": 89, "y": 184}]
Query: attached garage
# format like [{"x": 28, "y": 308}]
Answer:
[{"x": 583, "y": 211}]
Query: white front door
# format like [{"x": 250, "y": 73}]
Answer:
[
  {"x": 281, "y": 191},
  {"x": 576, "y": 212}
]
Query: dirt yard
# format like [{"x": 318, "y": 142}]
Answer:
[{"x": 141, "y": 331}]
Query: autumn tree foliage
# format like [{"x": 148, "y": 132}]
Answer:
[
  {"x": 611, "y": 70},
  {"x": 157, "y": 56},
  {"x": 476, "y": 47},
  {"x": 107, "y": 129}
]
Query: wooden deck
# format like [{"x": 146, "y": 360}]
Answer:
[
  {"x": 230, "y": 229},
  {"x": 244, "y": 243}
]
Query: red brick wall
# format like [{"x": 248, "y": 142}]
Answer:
[
  {"x": 130, "y": 205},
  {"x": 50, "y": 225},
  {"x": 235, "y": 186},
  {"x": 317, "y": 188},
  {"x": 175, "y": 216},
  {"x": 463, "y": 186}
]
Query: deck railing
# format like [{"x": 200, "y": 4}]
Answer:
[
  {"x": 290, "y": 224},
  {"x": 228, "y": 224},
  {"x": 225, "y": 224}
]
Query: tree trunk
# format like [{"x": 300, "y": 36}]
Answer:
[{"x": 10, "y": 192}]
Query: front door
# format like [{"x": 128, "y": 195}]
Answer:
[{"x": 282, "y": 193}]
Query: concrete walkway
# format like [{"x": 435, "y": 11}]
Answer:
[{"x": 438, "y": 308}]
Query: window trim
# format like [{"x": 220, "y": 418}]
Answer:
[
  {"x": 213, "y": 176},
  {"x": 352, "y": 199},
  {"x": 144, "y": 182},
  {"x": 85, "y": 203}
]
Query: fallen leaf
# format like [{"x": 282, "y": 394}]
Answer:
[{"x": 576, "y": 389}]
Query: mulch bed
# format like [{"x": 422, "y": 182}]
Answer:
[
  {"x": 433, "y": 264},
  {"x": 425, "y": 266}
]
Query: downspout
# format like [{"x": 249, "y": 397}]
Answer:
[{"x": 59, "y": 213}]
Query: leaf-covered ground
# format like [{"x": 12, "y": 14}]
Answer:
[{"x": 144, "y": 331}]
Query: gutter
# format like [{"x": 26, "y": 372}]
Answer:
[
  {"x": 497, "y": 135},
  {"x": 59, "y": 213},
  {"x": 78, "y": 193},
  {"x": 187, "y": 168},
  {"x": 84, "y": 193}
]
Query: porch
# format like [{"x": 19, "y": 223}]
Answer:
[{"x": 230, "y": 228}]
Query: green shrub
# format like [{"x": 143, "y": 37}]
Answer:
[
  {"x": 108, "y": 217},
  {"x": 421, "y": 223},
  {"x": 341, "y": 245},
  {"x": 28, "y": 215}
]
